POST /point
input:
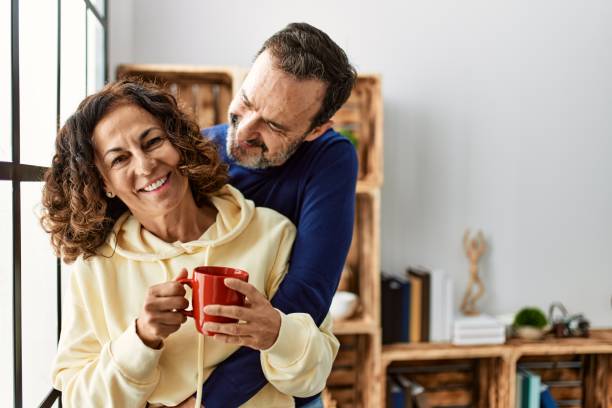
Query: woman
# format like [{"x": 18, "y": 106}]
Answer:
[{"x": 136, "y": 198}]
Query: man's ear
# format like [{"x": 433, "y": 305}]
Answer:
[{"x": 319, "y": 131}]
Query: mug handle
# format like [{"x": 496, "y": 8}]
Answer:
[{"x": 188, "y": 282}]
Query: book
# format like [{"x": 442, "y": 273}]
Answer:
[
  {"x": 416, "y": 289},
  {"x": 405, "y": 312},
  {"x": 395, "y": 394},
  {"x": 486, "y": 332},
  {"x": 478, "y": 341},
  {"x": 395, "y": 309},
  {"x": 518, "y": 400},
  {"x": 476, "y": 322},
  {"x": 449, "y": 312},
  {"x": 409, "y": 388},
  {"x": 438, "y": 306},
  {"x": 530, "y": 393},
  {"x": 546, "y": 399},
  {"x": 423, "y": 275}
]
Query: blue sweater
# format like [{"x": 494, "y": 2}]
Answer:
[{"x": 315, "y": 189}]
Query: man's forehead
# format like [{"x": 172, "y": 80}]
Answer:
[{"x": 282, "y": 96}]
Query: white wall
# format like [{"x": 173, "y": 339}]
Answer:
[{"x": 497, "y": 116}]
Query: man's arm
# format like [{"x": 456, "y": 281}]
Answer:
[{"x": 324, "y": 235}]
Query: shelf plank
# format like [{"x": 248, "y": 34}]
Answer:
[
  {"x": 600, "y": 342},
  {"x": 362, "y": 325},
  {"x": 439, "y": 351}
]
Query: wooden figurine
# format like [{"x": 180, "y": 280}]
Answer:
[{"x": 474, "y": 248}]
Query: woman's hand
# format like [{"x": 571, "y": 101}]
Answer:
[
  {"x": 260, "y": 322},
  {"x": 160, "y": 315}
]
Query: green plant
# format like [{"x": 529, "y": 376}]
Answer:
[
  {"x": 530, "y": 316},
  {"x": 350, "y": 135}
]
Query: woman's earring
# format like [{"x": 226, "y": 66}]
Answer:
[{"x": 110, "y": 194}]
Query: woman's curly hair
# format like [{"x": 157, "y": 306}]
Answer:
[{"x": 76, "y": 211}]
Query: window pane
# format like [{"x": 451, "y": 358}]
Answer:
[
  {"x": 99, "y": 4},
  {"x": 39, "y": 299},
  {"x": 72, "y": 72},
  {"x": 95, "y": 54},
  {"x": 38, "y": 79},
  {"x": 6, "y": 294},
  {"x": 5, "y": 81}
]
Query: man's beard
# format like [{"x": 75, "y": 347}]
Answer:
[{"x": 256, "y": 158}]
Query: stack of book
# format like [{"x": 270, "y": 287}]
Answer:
[
  {"x": 530, "y": 392},
  {"x": 417, "y": 307},
  {"x": 431, "y": 304},
  {"x": 482, "y": 329}
]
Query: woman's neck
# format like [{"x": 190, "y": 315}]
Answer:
[{"x": 185, "y": 223}]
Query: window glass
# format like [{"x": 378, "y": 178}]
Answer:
[
  {"x": 95, "y": 54},
  {"x": 6, "y": 295},
  {"x": 5, "y": 80},
  {"x": 37, "y": 79},
  {"x": 72, "y": 72},
  {"x": 99, "y": 5},
  {"x": 39, "y": 299}
]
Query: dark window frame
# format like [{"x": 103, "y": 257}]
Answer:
[{"x": 17, "y": 173}]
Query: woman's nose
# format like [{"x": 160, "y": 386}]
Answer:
[{"x": 145, "y": 165}]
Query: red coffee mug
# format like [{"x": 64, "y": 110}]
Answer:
[{"x": 208, "y": 289}]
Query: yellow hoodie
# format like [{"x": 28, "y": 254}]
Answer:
[{"x": 101, "y": 361}]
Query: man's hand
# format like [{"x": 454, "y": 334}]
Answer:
[
  {"x": 259, "y": 321},
  {"x": 160, "y": 315}
]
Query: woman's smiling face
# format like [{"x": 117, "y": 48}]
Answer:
[{"x": 138, "y": 163}]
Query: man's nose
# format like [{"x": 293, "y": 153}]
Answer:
[{"x": 248, "y": 128}]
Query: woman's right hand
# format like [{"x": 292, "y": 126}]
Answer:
[{"x": 161, "y": 313}]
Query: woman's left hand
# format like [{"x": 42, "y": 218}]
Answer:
[{"x": 259, "y": 321}]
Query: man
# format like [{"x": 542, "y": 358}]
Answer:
[{"x": 284, "y": 154}]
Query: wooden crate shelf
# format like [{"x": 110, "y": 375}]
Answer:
[
  {"x": 362, "y": 115},
  {"x": 354, "y": 381},
  {"x": 495, "y": 367},
  {"x": 204, "y": 92}
]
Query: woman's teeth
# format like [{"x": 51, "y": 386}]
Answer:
[{"x": 156, "y": 185}]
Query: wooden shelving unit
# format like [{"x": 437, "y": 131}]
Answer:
[
  {"x": 492, "y": 378},
  {"x": 355, "y": 378}
]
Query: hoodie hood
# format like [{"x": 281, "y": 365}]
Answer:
[{"x": 130, "y": 240}]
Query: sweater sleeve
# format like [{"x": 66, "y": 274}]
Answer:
[
  {"x": 324, "y": 234},
  {"x": 300, "y": 360},
  {"x": 119, "y": 373},
  {"x": 299, "y": 365}
]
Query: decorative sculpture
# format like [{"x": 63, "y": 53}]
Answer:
[{"x": 474, "y": 248}]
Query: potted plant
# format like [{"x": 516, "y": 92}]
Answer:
[{"x": 530, "y": 323}]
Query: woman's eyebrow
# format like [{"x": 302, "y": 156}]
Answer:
[{"x": 142, "y": 136}]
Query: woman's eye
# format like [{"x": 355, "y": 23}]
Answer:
[
  {"x": 233, "y": 119},
  {"x": 153, "y": 142},
  {"x": 117, "y": 160}
]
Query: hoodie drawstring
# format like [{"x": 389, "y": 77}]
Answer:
[{"x": 200, "y": 380}]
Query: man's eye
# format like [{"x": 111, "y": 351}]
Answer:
[{"x": 275, "y": 128}]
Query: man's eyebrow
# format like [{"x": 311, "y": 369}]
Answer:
[
  {"x": 248, "y": 103},
  {"x": 245, "y": 99},
  {"x": 142, "y": 136}
]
